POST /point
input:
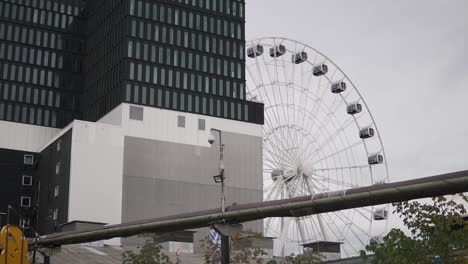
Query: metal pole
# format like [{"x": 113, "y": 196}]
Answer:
[
  {"x": 224, "y": 239},
  {"x": 1, "y": 214},
  {"x": 8, "y": 234},
  {"x": 444, "y": 184},
  {"x": 225, "y": 248},
  {"x": 221, "y": 172}
]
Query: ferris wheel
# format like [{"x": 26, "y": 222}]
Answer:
[{"x": 319, "y": 136}]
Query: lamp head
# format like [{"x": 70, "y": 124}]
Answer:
[{"x": 211, "y": 139}]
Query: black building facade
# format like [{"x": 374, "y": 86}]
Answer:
[{"x": 40, "y": 53}]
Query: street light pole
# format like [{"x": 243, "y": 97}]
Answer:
[
  {"x": 1, "y": 214},
  {"x": 225, "y": 247},
  {"x": 221, "y": 177}
]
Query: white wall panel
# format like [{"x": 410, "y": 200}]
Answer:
[
  {"x": 161, "y": 124},
  {"x": 25, "y": 137},
  {"x": 96, "y": 173}
]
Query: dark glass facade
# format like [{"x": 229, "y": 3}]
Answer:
[
  {"x": 40, "y": 54},
  {"x": 184, "y": 55}
]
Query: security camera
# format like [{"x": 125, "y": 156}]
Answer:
[{"x": 211, "y": 139}]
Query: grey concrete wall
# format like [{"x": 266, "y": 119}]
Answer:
[{"x": 164, "y": 178}]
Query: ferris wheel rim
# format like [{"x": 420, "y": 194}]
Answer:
[{"x": 343, "y": 100}]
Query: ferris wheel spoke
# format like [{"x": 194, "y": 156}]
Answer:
[
  {"x": 333, "y": 136},
  {"x": 337, "y": 182},
  {"x": 343, "y": 168},
  {"x": 282, "y": 156},
  {"x": 271, "y": 81},
  {"x": 341, "y": 215},
  {"x": 341, "y": 238},
  {"x": 309, "y": 186},
  {"x": 339, "y": 151},
  {"x": 300, "y": 230}
]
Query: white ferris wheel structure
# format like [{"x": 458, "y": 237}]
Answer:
[{"x": 319, "y": 136}]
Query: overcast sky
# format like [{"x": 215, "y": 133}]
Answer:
[{"x": 409, "y": 59}]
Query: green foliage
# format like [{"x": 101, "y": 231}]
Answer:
[
  {"x": 149, "y": 253},
  {"x": 239, "y": 253},
  {"x": 435, "y": 230}
]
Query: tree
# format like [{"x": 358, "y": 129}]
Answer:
[
  {"x": 149, "y": 253},
  {"x": 436, "y": 231},
  {"x": 239, "y": 253}
]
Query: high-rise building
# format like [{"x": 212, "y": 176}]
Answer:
[
  {"x": 40, "y": 54},
  {"x": 149, "y": 79},
  {"x": 64, "y": 60}
]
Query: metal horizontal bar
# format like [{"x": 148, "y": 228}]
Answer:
[{"x": 444, "y": 184}]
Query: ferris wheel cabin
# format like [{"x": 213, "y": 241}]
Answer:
[
  {"x": 254, "y": 51},
  {"x": 375, "y": 159},
  {"x": 380, "y": 214},
  {"x": 275, "y": 174},
  {"x": 354, "y": 108},
  {"x": 338, "y": 87},
  {"x": 277, "y": 51},
  {"x": 299, "y": 57},
  {"x": 367, "y": 132},
  {"x": 320, "y": 69},
  {"x": 377, "y": 240}
]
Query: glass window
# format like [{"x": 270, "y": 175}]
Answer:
[
  {"x": 159, "y": 98},
  {"x": 145, "y": 52},
  {"x": 161, "y": 14},
  {"x": 184, "y": 19},
  {"x": 136, "y": 90},
  {"x": 132, "y": 71},
  {"x": 204, "y": 105},
  {"x": 225, "y": 109},
  {"x": 211, "y": 106},
  {"x": 189, "y": 103},
  {"x": 233, "y": 116},
  {"x": 140, "y": 72},
  {"x": 141, "y": 29},
  {"x": 167, "y": 99},
  {"x": 190, "y": 20},
  {"x": 156, "y": 32},
  {"x": 177, "y": 81},
  {"x": 143, "y": 95},
  {"x": 155, "y": 11},
  {"x": 163, "y": 76},
  {"x": 234, "y": 89},
  {"x": 176, "y": 17},
  {"x": 151, "y": 96},
  {"x": 174, "y": 100},
  {"x": 153, "y": 53},
  {"x": 147, "y": 73},
  {"x": 169, "y": 78},
  {"x": 130, "y": 48},
  {"x": 149, "y": 31},
  {"x": 133, "y": 29},
  {"x": 182, "y": 101},
  {"x": 147, "y": 10},
  {"x": 197, "y": 104},
  {"x": 132, "y": 7},
  {"x": 155, "y": 75},
  {"x": 139, "y": 8}
]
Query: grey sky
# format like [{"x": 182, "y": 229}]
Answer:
[{"x": 409, "y": 59}]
